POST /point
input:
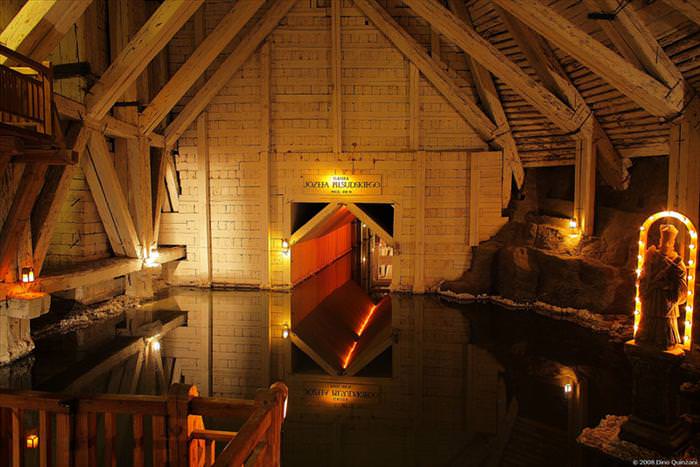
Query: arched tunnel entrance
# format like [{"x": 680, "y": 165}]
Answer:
[{"x": 341, "y": 267}]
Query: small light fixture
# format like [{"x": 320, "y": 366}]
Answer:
[
  {"x": 285, "y": 247},
  {"x": 32, "y": 441},
  {"x": 568, "y": 388},
  {"x": 154, "y": 342},
  {"x": 573, "y": 228},
  {"x": 285, "y": 331},
  {"x": 27, "y": 275}
]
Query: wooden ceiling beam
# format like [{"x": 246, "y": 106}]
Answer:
[
  {"x": 111, "y": 126},
  {"x": 652, "y": 95},
  {"x": 639, "y": 40},
  {"x": 112, "y": 206},
  {"x": 143, "y": 47},
  {"x": 265, "y": 25},
  {"x": 612, "y": 167},
  {"x": 195, "y": 66},
  {"x": 39, "y": 26},
  {"x": 690, "y": 8},
  {"x": 430, "y": 68},
  {"x": 467, "y": 39},
  {"x": 491, "y": 102}
]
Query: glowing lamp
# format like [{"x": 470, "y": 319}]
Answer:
[
  {"x": 692, "y": 261},
  {"x": 285, "y": 331},
  {"x": 568, "y": 388},
  {"x": 32, "y": 441},
  {"x": 27, "y": 275},
  {"x": 285, "y": 247},
  {"x": 154, "y": 342}
]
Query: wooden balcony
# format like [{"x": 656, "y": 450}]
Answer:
[
  {"x": 29, "y": 126},
  {"x": 51, "y": 429}
]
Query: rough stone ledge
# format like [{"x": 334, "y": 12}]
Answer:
[{"x": 618, "y": 327}]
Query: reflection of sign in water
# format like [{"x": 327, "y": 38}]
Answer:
[
  {"x": 341, "y": 393},
  {"x": 344, "y": 184}
]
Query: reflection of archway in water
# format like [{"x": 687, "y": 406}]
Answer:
[{"x": 336, "y": 323}]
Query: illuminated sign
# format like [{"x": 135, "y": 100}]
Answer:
[
  {"x": 341, "y": 393},
  {"x": 344, "y": 184}
]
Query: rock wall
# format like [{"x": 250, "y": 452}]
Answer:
[{"x": 535, "y": 257}]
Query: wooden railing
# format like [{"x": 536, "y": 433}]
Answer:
[
  {"x": 27, "y": 93},
  {"x": 47, "y": 429}
]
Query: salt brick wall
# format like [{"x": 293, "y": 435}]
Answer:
[
  {"x": 79, "y": 235},
  {"x": 375, "y": 141}
]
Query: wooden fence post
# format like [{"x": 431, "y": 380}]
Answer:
[{"x": 179, "y": 397}]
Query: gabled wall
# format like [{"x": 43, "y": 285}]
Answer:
[{"x": 246, "y": 180}]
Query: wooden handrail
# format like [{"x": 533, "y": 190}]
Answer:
[
  {"x": 179, "y": 437},
  {"x": 258, "y": 442},
  {"x": 18, "y": 57}
]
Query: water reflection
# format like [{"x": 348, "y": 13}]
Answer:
[
  {"x": 464, "y": 386},
  {"x": 470, "y": 385}
]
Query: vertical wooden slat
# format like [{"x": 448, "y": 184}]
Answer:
[
  {"x": 5, "y": 433},
  {"x": 92, "y": 438},
  {"x": 44, "y": 438},
  {"x": 82, "y": 426},
  {"x": 160, "y": 453},
  {"x": 16, "y": 415},
  {"x": 208, "y": 453},
  {"x": 336, "y": 76},
  {"x": 137, "y": 426},
  {"x": 414, "y": 107},
  {"x": 63, "y": 440},
  {"x": 110, "y": 457}
]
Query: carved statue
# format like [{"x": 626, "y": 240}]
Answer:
[{"x": 662, "y": 287}]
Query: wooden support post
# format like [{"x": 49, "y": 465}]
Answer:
[
  {"x": 140, "y": 195},
  {"x": 585, "y": 182},
  {"x": 419, "y": 253},
  {"x": 109, "y": 197},
  {"x": 159, "y": 168},
  {"x": 414, "y": 107},
  {"x": 265, "y": 154},
  {"x": 45, "y": 437},
  {"x": 204, "y": 249},
  {"x": 179, "y": 397},
  {"x": 336, "y": 75},
  {"x": 474, "y": 199},
  {"x": 17, "y": 438},
  {"x": 18, "y": 217},
  {"x": 47, "y": 210},
  {"x": 684, "y": 164}
]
